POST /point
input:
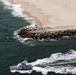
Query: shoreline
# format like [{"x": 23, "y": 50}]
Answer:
[
  {"x": 58, "y": 16},
  {"x": 45, "y": 32},
  {"x": 29, "y": 16}
]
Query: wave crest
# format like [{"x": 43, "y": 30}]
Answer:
[{"x": 18, "y": 11}]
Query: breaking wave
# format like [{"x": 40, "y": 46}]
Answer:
[
  {"x": 57, "y": 62},
  {"x": 16, "y": 36},
  {"x": 17, "y": 11}
]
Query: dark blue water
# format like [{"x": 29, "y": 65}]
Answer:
[{"x": 12, "y": 51}]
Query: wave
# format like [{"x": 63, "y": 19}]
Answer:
[
  {"x": 57, "y": 62},
  {"x": 17, "y": 11},
  {"x": 24, "y": 40},
  {"x": 69, "y": 56},
  {"x": 16, "y": 36},
  {"x": 16, "y": 8}
]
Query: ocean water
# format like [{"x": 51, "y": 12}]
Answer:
[{"x": 48, "y": 57}]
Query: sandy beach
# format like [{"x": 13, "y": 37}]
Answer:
[{"x": 51, "y": 13}]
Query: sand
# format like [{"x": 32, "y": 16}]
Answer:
[{"x": 51, "y": 13}]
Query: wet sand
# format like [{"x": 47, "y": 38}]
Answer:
[{"x": 57, "y": 14}]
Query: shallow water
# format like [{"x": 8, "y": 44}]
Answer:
[{"x": 13, "y": 51}]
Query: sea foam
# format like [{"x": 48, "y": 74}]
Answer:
[
  {"x": 57, "y": 62},
  {"x": 17, "y": 11}
]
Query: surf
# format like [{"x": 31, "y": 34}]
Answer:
[
  {"x": 62, "y": 63},
  {"x": 18, "y": 11}
]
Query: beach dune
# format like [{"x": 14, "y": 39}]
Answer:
[{"x": 51, "y": 13}]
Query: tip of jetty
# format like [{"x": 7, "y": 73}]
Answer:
[{"x": 45, "y": 33}]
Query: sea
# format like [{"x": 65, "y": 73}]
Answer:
[{"x": 54, "y": 57}]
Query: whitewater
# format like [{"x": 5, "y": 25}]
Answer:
[
  {"x": 17, "y": 11},
  {"x": 57, "y": 62}
]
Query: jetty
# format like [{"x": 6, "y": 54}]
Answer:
[{"x": 46, "y": 33}]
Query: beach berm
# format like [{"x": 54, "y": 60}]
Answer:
[{"x": 51, "y": 13}]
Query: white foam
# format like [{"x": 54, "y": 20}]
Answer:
[
  {"x": 52, "y": 65},
  {"x": 56, "y": 57},
  {"x": 55, "y": 66},
  {"x": 56, "y": 69},
  {"x": 33, "y": 25},
  {"x": 22, "y": 40},
  {"x": 57, "y": 62},
  {"x": 21, "y": 71},
  {"x": 44, "y": 71},
  {"x": 16, "y": 8},
  {"x": 18, "y": 11}
]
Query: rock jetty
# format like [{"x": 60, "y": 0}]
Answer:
[{"x": 44, "y": 33}]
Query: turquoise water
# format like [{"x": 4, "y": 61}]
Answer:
[{"x": 12, "y": 51}]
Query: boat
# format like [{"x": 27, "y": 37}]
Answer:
[{"x": 23, "y": 67}]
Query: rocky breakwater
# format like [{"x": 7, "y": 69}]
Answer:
[{"x": 45, "y": 33}]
